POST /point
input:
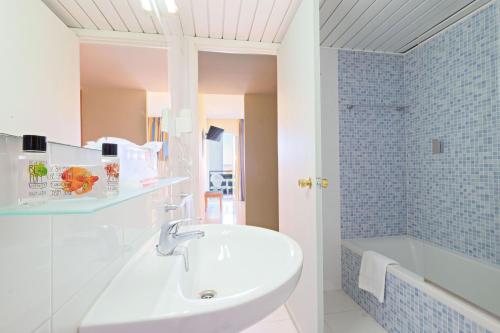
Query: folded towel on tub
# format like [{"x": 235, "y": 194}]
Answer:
[{"x": 372, "y": 273}]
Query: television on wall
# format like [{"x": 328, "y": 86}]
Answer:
[{"x": 214, "y": 133}]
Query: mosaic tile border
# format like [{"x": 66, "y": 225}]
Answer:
[{"x": 406, "y": 309}]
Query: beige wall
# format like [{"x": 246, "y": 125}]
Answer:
[
  {"x": 113, "y": 112},
  {"x": 261, "y": 161}
]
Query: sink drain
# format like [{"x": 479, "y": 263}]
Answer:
[{"x": 208, "y": 294}]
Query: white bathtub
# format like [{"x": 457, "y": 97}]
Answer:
[{"x": 433, "y": 269}]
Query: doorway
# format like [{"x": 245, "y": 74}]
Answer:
[
  {"x": 238, "y": 117},
  {"x": 224, "y": 199}
]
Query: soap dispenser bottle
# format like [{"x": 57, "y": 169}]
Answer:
[
  {"x": 111, "y": 165},
  {"x": 32, "y": 170}
]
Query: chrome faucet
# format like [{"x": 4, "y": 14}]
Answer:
[{"x": 170, "y": 237}]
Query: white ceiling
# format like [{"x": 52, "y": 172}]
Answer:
[
  {"x": 373, "y": 25},
  {"x": 250, "y": 20},
  {"x": 388, "y": 25}
]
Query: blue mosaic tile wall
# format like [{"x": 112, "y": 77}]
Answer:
[
  {"x": 372, "y": 145},
  {"x": 405, "y": 308},
  {"x": 391, "y": 183},
  {"x": 453, "y": 198}
]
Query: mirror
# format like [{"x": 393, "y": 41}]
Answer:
[{"x": 124, "y": 92}]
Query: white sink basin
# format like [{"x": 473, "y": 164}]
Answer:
[{"x": 252, "y": 271}]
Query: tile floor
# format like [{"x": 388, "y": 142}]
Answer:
[
  {"x": 232, "y": 212},
  {"x": 277, "y": 322},
  {"x": 343, "y": 315}
]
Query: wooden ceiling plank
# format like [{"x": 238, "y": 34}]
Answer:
[
  {"x": 231, "y": 16},
  {"x": 336, "y": 18},
  {"x": 145, "y": 19},
  {"x": 262, "y": 17},
  {"x": 360, "y": 8},
  {"x": 277, "y": 15},
  {"x": 174, "y": 25},
  {"x": 216, "y": 17},
  {"x": 127, "y": 15},
  {"x": 63, "y": 14},
  {"x": 247, "y": 16},
  {"x": 426, "y": 21},
  {"x": 329, "y": 6},
  {"x": 373, "y": 23},
  {"x": 109, "y": 12},
  {"x": 78, "y": 13},
  {"x": 186, "y": 17},
  {"x": 286, "y": 21},
  {"x": 403, "y": 20},
  {"x": 161, "y": 24},
  {"x": 382, "y": 26},
  {"x": 445, "y": 24},
  {"x": 95, "y": 14},
  {"x": 200, "y": 17},
  {"x": 377, "y": 7}
]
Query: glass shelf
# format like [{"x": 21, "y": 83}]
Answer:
[{"x": 86, "y": 205}]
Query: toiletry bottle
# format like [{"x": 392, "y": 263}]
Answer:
[
  {"x": 111, "y": 165},
  {"x": 32, "y": 170}
]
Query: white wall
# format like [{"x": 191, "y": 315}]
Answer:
[
  {"x": 53, "y": 268},
  {"x": 202, "y": 157},
  {"x": 299, "y": 156},
  {"x": 185, "y": 151},
  {"x": 332, "y": 270},
  {"x": 40, "y": 73}
]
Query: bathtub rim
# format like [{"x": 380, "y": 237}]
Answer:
[{"x": 468, "y": 310}]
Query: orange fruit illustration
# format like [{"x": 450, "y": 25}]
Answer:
[{"x": 78, "y": 180}]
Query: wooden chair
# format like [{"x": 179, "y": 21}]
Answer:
[
  {"x": 217, "y": 181},
  {"x": 213, "y": 195}
]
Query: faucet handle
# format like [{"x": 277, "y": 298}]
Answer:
[
  {"x": 167, "y": 206},
  {"x": 172, "y": 206},
  {"x": 173, "y": 226}
]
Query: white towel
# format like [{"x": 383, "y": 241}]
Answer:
[{"x": 372, "y": 273}]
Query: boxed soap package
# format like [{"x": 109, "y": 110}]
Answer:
[
  {"x": 75, "y": 181},
  {"x": 138, "y": 165}
]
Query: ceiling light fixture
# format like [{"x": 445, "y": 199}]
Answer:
[
  {"x": 146, "y": 5},
  {"x": 171, "y": 6}
]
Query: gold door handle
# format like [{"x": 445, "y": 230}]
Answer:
[
  {"x": 305, "y": 182},
  {"x": 323, "y": 182}
]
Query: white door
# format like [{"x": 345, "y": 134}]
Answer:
[{"x": 299, "y": 157}]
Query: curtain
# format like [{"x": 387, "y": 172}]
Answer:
[{"x": 155, "y": 134}]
